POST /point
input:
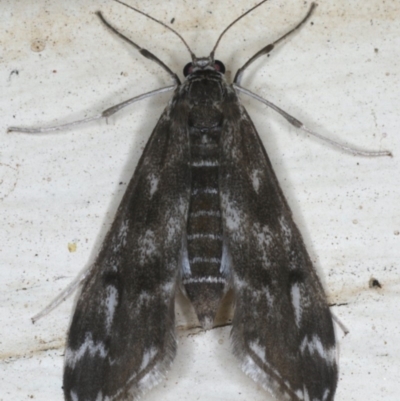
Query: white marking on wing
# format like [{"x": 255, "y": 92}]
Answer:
[
  {"x": 234, "y": 218},
  {"x": 258, "y": 295},
  {"x": 111, "y": 302},
  {"x": 150, "y": 379},
  {"x": 185, "y": 265},
  {"x": 100, "y": 397},
  {"x": 259, "y": 351},
  {"x": 239, "y": 283},
  {"x": 146, "y": 247},
  {"x": 263, "y": 235},
  {"x": 270, "y": 298},
  {"x": 255, "y": 179},
  {"x": 153, "y": 181},
  {"x": 315, "y": 346},
  {"x": 300, "y": 394},
  {"x": 174, "y": 226},
  {"x": 326, "y": 394},
  {"x": 176, "y": 221},
  {"x": 286, "y": 395},
  {"x": 167, "y": 289},
  {"x": 296, "y": 302},
  {"x": 119, "y": 239},
  {"x": 182, "y": 207},
  {"x": 143, "y": 298},
  {"x": 93, "y": 348},
  {"x": 264, "y": 240},
  {"x": 306, "y": 395},
  {"x": 253, "y": 369},
  {"x": 226, "y": 261},
  {"x": 287, "y": 233},
  {"x": 205, "y": 140},
  {"x": 147, "y": 357},
  {"x": 112, "y": 264}
]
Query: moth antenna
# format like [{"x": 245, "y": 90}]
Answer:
[
  {"x": 192, "y": 55},
  {"x": 233, "y": 23}
]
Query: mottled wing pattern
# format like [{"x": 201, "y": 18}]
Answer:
[
  {"x": 121, "y": 339},
  {"x": 282, "y": 328}
]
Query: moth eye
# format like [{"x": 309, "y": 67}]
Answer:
[
  {"x": 188, "y": 69},
  {"x": 219, "y": 66}
]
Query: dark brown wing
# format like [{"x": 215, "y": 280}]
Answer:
[
  {"x": 282, "y": 328},
  {"x": 121, "y": 340}
]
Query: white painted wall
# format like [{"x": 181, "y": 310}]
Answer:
[{"x": 64, "y": 188}]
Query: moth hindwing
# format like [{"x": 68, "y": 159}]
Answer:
[{"x": 203, "y": 212}]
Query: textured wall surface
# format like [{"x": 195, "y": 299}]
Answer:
[{"x": 340, "y": 75}]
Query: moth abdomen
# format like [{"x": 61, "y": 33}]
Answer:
[{"x": 205, "y": 283}]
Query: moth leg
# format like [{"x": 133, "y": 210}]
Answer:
[
  {"x": 104, "y": 114},
  {"x": 298, "y": 124},
  {"x": 143, "y": 52},
  {"x": 342, "y": 326},
  {"x": 64, "y": 294},
  {"x": 267, "y": 49}
]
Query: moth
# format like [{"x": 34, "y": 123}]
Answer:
[{"x": 203, "y": 213}]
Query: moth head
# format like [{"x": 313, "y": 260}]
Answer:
[
  {"x": 198, "y": 63},
  {"x": 203, "y": 64}
]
